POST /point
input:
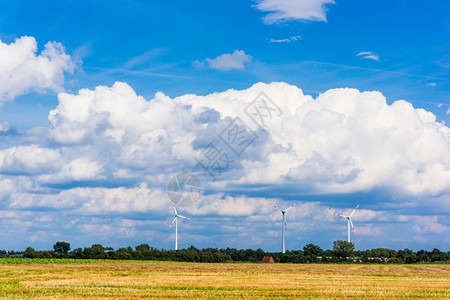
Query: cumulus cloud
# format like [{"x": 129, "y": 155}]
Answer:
[
  {"x": 80, "y": 169},
  {"x": 138, "y": 136},
  {"x": 228, "y": 61},
  {"x": 284, "y": 10},
  {"x": 97, "y": 200},
  {"x": 227, "y": 205},
  {"x": 429, "y": 225},
  {"x": 23, "y": 70},
  {"x": 370, "y": 230},
  {"x": 346, "y": 140},
  {"x": 343, "y": 141},
  {"x": 368, "y": 55},
  {"x": 98, "y": 212},
  {"x": 29, "y": 160}
]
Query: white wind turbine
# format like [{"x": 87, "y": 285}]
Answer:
[
  {"x": 283, "y": 225},
  {"x": 349, "y": 221},
  {"x": 175, "y": 220}
]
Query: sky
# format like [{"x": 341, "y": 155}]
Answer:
[{"x": 327, "y": 104}]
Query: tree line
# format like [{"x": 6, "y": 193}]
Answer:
[{"x": 342, "y": 251}]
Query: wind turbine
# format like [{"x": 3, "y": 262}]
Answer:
[
  {"x": 349, "y": 221},
  {"x": 175, "y": 220},
  {"x": 283, "y": 225}
]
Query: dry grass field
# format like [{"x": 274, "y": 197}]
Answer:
[{"x": 133, "y": 280}]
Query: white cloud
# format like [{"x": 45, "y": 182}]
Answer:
[
  {"x": 343, "y": 141},
  {"x": 6, "y": 130},
  {"x": 225, "y": 62},
  {"x": 4, "y": 127},
  {"x": 29, "y": 159},
  {"x": 368, "y": 55},
  {"x": 11, "y": 186},
  {"x": 283, "y": 10},
  {"x": 80, "y": 169},
  {"x": 230, "y": 206},
  {"x": 448, "y": 111},
  {"x": 428, "y": 225},
  {"x": 362, "y": 141},
  {"x": 370, "y": 230},
  {"x": 34, "y": 215},
  {"x": 92, "y": 200},
  {"x": 21, "y": 70},
  {"x": 361, "y": 215},
  {"x": 140, "y": 137},
  {"x": 286, "y": 40}
]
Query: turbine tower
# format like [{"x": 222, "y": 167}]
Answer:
[
  {"x": 175, "y": 220},
  {"x": 283, "y": 225},
  {"x": 349, "y": 221}
]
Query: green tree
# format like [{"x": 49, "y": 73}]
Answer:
[
  {"x": 29, "y": 252},
  {"x": 61, "y": 247},
  {"x": 143, "y": 247},
  {"x": 44, "y": 254},
  {"x": 343, "y": 250},
  {"x": 95, "y": 251},
  {"x": 98, "y": 251},
  {"x": 143, "y": 252},
  {"x": 77, "y": 253},
  {"x": 424, "y": 256},
  {"x": 311, "y": 252},
  {"x": 395, "y": 260},
  {"x": 436, "y": 255},
  {"x": 260, "y": 254},
  {"x": 122, "y": 253}
]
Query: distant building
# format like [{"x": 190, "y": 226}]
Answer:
[
  {"x": 384, "y": 259},
  {"x": 267, "y": 259}
]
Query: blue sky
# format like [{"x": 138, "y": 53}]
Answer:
[{"x": 102, "y": 103}]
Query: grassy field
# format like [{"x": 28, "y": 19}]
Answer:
[{"x": 133, "y": 279}]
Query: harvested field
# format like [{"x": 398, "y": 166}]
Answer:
[{"x": 136, "y": 279}]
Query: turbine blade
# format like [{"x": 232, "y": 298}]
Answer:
[
  {"x": 290, "y": 206},
  {"x": 174, "y": 220},
  {"x": 353, "y": 227},
  {"x": 174, "y": 208},
  {"x": 187, "y": 218},
  {"x": 272, "y": 204},
  {"x": 340, "y": 215},
  {"x": 354, "y": 210}
]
